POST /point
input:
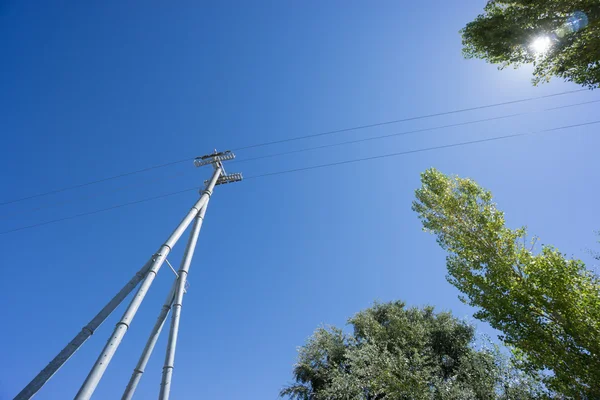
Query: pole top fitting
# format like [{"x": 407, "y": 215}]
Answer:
[{"x": 216, "y": 159}]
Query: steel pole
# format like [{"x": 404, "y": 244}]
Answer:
[
  {"x": 165, "y": 384},
  {"x": 44, "y": 375},
  {"x": 93, "y": 378},
  {"x": 143, "y": 361}
]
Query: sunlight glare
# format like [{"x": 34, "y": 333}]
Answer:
[{"x": 541, "y": 44}]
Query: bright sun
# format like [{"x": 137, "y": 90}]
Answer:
[{"x": 541, "y": 44}]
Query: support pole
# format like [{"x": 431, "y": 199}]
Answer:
[
  {"x": 44, "y": 375},
  {"x": 143, "y": 361},
  {"x": 165, "y": 384},
  {"x": 93, "y": 378}
]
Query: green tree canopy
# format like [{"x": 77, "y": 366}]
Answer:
[
  {"x": 399, "y": 353},
  {"x": 547, "y": 306},
  {"x": 570, "y": 29}
]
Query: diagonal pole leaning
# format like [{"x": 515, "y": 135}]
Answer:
[
  {"x": 93, "y": 378},
  {"x": 147, "y": 272},
  {"x": 140, "y": 367},
  {"x": 177, "y": 289},
  {"x": 165, "y": 384}
]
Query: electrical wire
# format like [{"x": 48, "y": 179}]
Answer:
[
  {"x": 407, "y": 133},
  {"x": 99, "y": 211},
  {"x": 64, "y": 189},
  {"x": 96, "y": 194},
  {"x": 77, "y": 186},
  {"x": 154, "y": 179},
  {"x": 408, "y": 119},
  {"x": 419, "y": 150},
  {"x": 496, "y": 138}
]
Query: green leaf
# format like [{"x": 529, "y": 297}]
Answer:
[{"x": 546, "y": 306}]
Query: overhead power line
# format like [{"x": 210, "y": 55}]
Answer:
[
  {"x": 409, "y": 132},
  {"x": 100, "y": 210},
  {"x": 95, "y": 195},
  {"x": 64, "y": 189},
  {"x": 395, "y": 121},
  {"x": 401, "y": 153},
  {"x": 121, "y": 175},
  {"x": 356, "y": 160},
  {"x": 154, "y": 179}
]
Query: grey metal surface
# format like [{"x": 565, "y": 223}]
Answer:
[
  {"x": 93, "y": 378},
  {"x": 44, "y": 375},
  {"x": 165, "y": 385},
  {"x": 229, "y": 178},
  {"x": 214, "y": 158},
  {"x": 147, "y": 352},
  {"x": 147, "y": 274}
]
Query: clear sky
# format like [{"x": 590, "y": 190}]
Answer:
[{"x": 93, "y": 90}]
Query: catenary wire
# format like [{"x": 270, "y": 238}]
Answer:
[
  {"x": 100, "y": 210},
  {"x": 121, "y": 175},
  {"x": 408, "y": 119},
  {"x": 154, "y": 179},
  {"x": 496, "y": 138},
  {"x": 96, "y": 194},
  {"x": 407, "y": 132},
  {"x": 64, "y": 189}
]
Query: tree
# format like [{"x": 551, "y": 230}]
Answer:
[
  {"x": 596, "y": 254},
  {"x": 404, "y": 353},
  {"x": 547, "y": 306},
  {"x": 560, "y": 37}
]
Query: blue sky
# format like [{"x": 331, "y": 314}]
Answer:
[{"x": 93, "y": 90}]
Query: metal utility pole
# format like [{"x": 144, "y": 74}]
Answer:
[
  {"x": 145, "y": 275},
  {"x": 165, "y": 384},
  {"x": 93, "y": 378},
  {"x": 145, "y": 357}
]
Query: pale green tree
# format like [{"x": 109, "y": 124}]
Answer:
[
  {"x": 546, "y": 305},
  {"x": 559, "y": 37}
]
